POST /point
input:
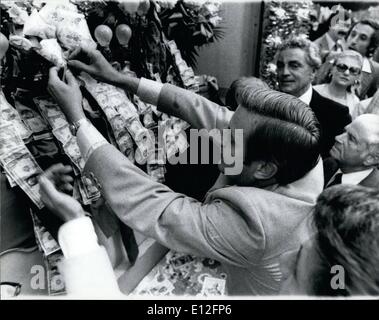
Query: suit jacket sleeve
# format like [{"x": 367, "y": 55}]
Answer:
[
  {"x": 178, "y": 222},
  {"x": 198, "y": 111}
]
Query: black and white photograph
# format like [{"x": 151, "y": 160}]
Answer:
[{"x": 189, "y": 150}]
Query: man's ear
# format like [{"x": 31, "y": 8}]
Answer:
[
  {"x": 265, "y": 170},
  {"x": 371, "y": 160}
]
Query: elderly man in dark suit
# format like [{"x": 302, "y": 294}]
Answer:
[
  {"x": 249, "y": 219},
  {"x": 297, "y": 61},
  {"x": 355, "y": 154}
]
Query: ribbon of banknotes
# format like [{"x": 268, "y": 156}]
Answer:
[
  {"x": 61, "y": 130},
  {"x": 19, "y": 164},
  {"x": 21, "y": 167},
  {"x": 29, "y": 115},
  {"x": 8, "y": 113},
  {"x": 52, "y": 256},
  {"x": 123, "y": 118},
  {"x": 173, "y": 136},
  {"x": 155, "y": 166},
  {"x": 185, "y": 72}
]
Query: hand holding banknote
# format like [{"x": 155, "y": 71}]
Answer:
[
  {"x": 55, "y": 180},
  {"x": 92, "y": 61},
  {"x": 66, "y": 94}
]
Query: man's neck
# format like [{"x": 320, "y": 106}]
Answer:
[
  {"x": 304, "y": 90},
  {"x": 331, "y": 36}
]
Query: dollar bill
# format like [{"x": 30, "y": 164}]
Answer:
[
  {"x": 63, "y": 134},
  {"x": 55, "y": 280},
  {"x": 31, "y": 118},
  {"x": 47, "y": 107},
  {"x": 8, "y": 113},
  {"x": 156, "y": 172},
  {"x": 11, "y": 182},
  {"x": 72, "y": 150},
  {"x": 9, "y": 138},
  {"x": 24, "y": 170},
  {"x": 45, "y": 240},
  {"x": 58, "y": 121},
  {"x": 88, "y": 191}
]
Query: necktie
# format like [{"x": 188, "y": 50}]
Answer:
[{"x": 337, "y": 179}]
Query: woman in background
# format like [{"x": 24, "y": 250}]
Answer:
[{"x": 344, "y": 77}]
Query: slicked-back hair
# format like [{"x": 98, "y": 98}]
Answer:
[
  {"x": 286, "y": 134},
  {"x": 347, "y": 220},
  {"x": 233, "y": 95},
  {"x": 374, "y": 41}
]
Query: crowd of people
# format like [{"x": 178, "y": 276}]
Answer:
[{"x": 302, "y": 216}]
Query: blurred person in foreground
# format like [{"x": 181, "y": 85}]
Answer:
[{"x": 342, "y": 258}]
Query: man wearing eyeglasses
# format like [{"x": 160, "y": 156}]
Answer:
[{"x": 297, "y": 61}]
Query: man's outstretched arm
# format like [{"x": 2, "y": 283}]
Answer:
[{"x": 198, "y": 111}]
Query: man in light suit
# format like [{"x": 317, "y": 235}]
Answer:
[
  {"x": 249, "y": 219},
  {"x": 355, "y": 154},
  {"x": 334, "y": 39},
  {"x": 297, "y": 61}
]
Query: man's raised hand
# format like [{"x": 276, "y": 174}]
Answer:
[
  {"x": 93, "y": 62},
  {"x": 67, "y": 95}
]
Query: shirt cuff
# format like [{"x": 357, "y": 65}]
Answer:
[
  {"x": 149, "y": 91},
  {"x": 89, "y": 139},
  {"x": 77, "y": 237}
]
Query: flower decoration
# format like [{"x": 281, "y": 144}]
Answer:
[
  {"x": 192, "y": 24},
  {"x": 280, "y": 13}
]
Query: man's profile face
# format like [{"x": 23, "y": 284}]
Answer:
[
  {"x": 352, "y": 147},
  {"x": 294, "y": 73},
  {"x": 359, "y": 38}
]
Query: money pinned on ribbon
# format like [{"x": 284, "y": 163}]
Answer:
[
  {"x": 8, "y": 113},
  {"x": 55, "y": 280},
  {"x": 18, "y": 162}
]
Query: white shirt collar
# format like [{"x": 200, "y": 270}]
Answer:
[
  {"x": 307, "y": 96},
  {"x": 366, "y": 67},
  {"x": 355, "y": 177}
]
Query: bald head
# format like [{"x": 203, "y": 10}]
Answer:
[
  {"x": 369, "y": 128},
  {"x": 358, "y": 147}
]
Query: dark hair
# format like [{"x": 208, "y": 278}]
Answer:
[
  {"x": 287, "y": 134},
  {"x": 232, "y": 98},
  {"x": 347, "y": 220},
  {"x": 374, "y": 41}
]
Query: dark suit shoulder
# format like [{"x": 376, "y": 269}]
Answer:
[{"x": 327, "y": 105}]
